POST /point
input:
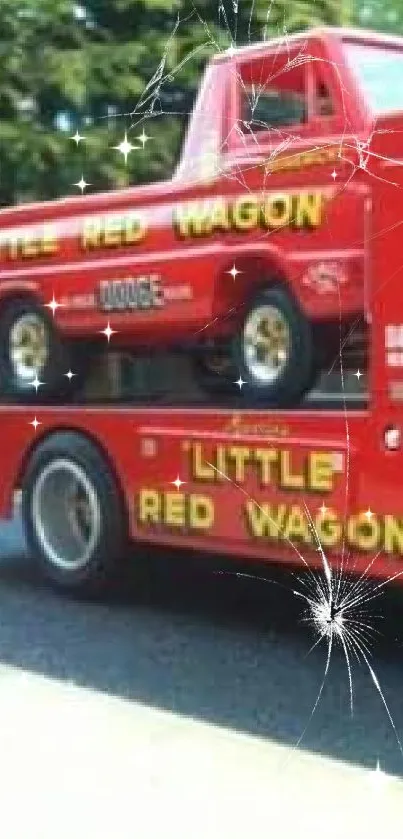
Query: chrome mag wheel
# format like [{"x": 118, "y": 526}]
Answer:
[
  {"x": 66, "y": 514},
  {"x": 28, "y": 346},
  {"x": 266, "y": 343}
]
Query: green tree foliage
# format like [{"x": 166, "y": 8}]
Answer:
[
  {"x": 106, "y": 67},
  {"x": 301, "y": 14},
  {"x": 384, "y": 17},
  {"x": 67, "y": 67}
]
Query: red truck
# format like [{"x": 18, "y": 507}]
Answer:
[
  {"x": 290, "y": 485},
  {"x": 253, "y": 258}
]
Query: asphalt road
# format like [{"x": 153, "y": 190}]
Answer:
[{"x": 211, "y": 681}]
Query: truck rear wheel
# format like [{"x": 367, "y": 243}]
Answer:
[
  {"x": 73, "y": 514},
  {"x": 273, "y": 350},
  {"x": 30, "y": 348}
]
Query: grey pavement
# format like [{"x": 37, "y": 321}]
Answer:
[{"x": 180, "y": 705}]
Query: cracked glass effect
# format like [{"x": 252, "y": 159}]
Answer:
[{"x": 337, "y": 606}]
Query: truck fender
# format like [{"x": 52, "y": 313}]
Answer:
[
  {"x": 78, "y": 432},
  {"x": 258, "y": 267},
  {"x": 18, "y": 288}
]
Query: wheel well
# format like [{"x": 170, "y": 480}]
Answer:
[
  {"x": 16, "y": 296},
  {"x": 91, "y": 438},
  {"x": 263, "y": 272}
]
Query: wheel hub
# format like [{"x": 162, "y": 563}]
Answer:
[
  {"x": 66, "y": 514},
  {"x": 267, "y": 343},
  {"x": 28, "y": 349}
]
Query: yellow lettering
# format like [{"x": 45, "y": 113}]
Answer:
[
  {"x": 273, "y": 211},
  {"x": 174, "y": 513},
  {"x": 328, "y": 529},
  {"x": 134, "y": 228},
  {"x": 240, "y": 455},
  {"x": 29, "y": 247},
  {"x": 175, "y": 509},
  {"x": 91, "y": 234},
  {"x": 190, "y": 220},
  {"x": 320, "y": 471},
  {"x": 277, "y": 210},
  {"x": 393, "y": 535},
  {"x": 308, "y": 207},
  {"x": 49, "y": 240},
  {"x": 265, "y": 521},
  {"x": 13, "y": 249},
  {"x": 112, "y": 234},
  {"x": 218, "y": 217},
  {"x": 149, "y": 506},
  {"x": 297, "y": 526},
  {"x": 245, "y": 213},
  {"x": 201, "y": 471},
  {"x": 266, "y": 458},
  {"x": 221, "y": 464},
  {"x": 364, "y": 532},
  {"x": 294, "y": 161},
  {"x": 201, "y": 512},
  {"x": 288, "y": 480}
]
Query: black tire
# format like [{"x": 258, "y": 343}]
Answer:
[
  {"x": 211, "y": 377},
  {"x": 78, "y": 541},
  {"x": 298, "y": 372},
  {"x": 56, "y": 360}
]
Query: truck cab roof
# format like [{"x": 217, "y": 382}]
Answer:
[{"x": 323, "y": 33}]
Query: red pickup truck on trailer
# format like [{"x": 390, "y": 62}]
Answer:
[
  {"x": 253, "y": 254},
  {"x": 270, "y": 484}
]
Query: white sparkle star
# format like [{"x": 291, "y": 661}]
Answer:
[
  {"x": 323, "y": 509},
  {"x": 125, "y": 147},
  {"x": 82, "y": 183},
  {"x": 358, "y": 374},
  {"x": 108, "y": 332},
  {"x": 36, "y": 383},
  {"x": 143, "y": 138},
  {"x": 234, "y": 272},
  {"x": 334, "y": 175},
  {"x": 77, "y": 137},
  {"x": 53, "y": 305},
  {"x": 178, "y": 483},
  {"x": 35, "y": 423},
  {"x": 240, "y": 382},
  {"x": 368, "y": 514},
  {"x": 230, "y": 50},
  {"x": 70, "y": 375}
]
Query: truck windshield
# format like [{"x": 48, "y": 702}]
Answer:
[{"x": 379, "y": 71}]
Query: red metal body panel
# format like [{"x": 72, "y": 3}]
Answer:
[
  {"x": 245, "y": 475},
  {"x": 248, "y": 477},
  {"x": 67, "y": 248}
]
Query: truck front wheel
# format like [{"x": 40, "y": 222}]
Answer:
[
  {"x": 30, "y": 349},
  {"x": 273, "y": 350},
  {"x": 73, "y": 513}
]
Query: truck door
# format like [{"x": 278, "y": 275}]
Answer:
[{"x": 293, "y": 135}]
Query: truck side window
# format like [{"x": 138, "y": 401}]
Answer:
[
  {"x": 272, "y": 109},
  {"x": 324, "y": 104},
  {"x": 272, "y": 96}
]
